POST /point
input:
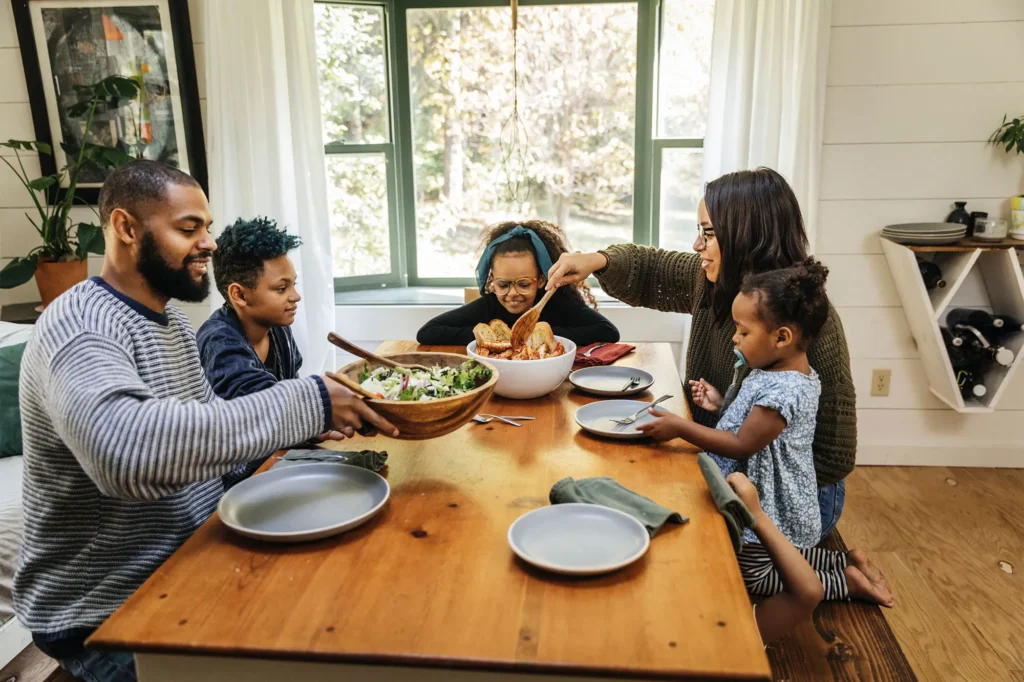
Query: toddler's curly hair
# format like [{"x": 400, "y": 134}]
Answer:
[{"x": 793, "y": 296}]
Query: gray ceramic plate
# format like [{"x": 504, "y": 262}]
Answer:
[
  {"x": 597, "y": 418},
  {"x": 924, "y": 241},
  {"x": 927, "y": 228},
  {"x": 578, "y": 539},
  {"x": 610, "y": 380},
  {"x": 301, "y": 503}
]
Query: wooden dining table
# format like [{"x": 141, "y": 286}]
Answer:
[{"x": 430, "y": 590}]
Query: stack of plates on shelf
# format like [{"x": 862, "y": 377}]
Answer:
[{"x": 925, "y": 233}]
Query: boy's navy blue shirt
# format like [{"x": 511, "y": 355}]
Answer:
[
  {"x": 231, "y": 364},
  {"x": 234, "y": 369}
]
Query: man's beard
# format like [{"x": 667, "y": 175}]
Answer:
[{"x": 171, "y": 282}]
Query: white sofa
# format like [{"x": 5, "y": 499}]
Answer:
[{"x": 13, "y": 637}]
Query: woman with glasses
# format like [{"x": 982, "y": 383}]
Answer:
[
  {"x": 748, "y": 222},
  {"x": 510, "y": 274}
]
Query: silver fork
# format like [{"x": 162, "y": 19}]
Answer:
[
  {"x": 636, "y": 415},
  {"x": 488, "y": 418},
  {"x": 600, "y": 345},
  {"x": 633, "y": 381}
]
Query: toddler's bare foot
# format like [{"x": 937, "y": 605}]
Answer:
[
  {"x": 859, "y": 559},
  {"x": 864, "y": 589}
]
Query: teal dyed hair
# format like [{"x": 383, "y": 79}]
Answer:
[{"x": 243, "y": 248}]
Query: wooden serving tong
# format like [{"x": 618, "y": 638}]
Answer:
[{"x": 524, "y": 326}]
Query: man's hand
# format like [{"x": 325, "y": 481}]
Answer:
[
  {"x": 745, "y": 490},
  {"x": 664, "y": 427},
  {"x": 349, "y": 412},
  {"x": 572, "y": 268},
  {"x": 347, "y": 432},
  {"x": 706, "y": 396}
]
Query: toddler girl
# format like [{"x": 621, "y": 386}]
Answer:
[{"x": 767, "y": 426}]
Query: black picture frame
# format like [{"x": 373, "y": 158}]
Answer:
[{"x": 188, "y": 88}]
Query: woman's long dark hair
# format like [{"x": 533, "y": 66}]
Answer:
[{"x": 758, "y": 226}]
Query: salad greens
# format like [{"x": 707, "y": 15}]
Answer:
[{"x": 415, "y": 384}]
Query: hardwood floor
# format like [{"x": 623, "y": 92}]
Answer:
[
  {"x": 32, "y": 665},
  {"x": 950, "y": 542}
]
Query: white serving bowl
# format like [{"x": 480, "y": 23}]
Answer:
[{"x": 522, "y": 379}]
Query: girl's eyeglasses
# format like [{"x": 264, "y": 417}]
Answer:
[
  {"x": 524, "y": 285},
  {"x": 704, "y": 234}
]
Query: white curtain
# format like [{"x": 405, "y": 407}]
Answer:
[
  {"x": 767, "y": 94},
  {"x": 266, "y": 152}
]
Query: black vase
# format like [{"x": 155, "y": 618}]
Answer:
[{"x": 960, "y": 215}]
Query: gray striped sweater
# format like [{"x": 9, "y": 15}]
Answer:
[{"x": 125, "y": 445}]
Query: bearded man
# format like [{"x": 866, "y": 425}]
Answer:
[{"x": 126, "y": 444}]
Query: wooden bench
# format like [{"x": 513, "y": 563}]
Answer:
[{"x": 845, "y": 641}]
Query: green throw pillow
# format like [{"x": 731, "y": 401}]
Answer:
[{"x": 10, "y": 416}]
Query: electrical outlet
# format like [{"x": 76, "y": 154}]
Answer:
[{"x": 880, "y": 382}]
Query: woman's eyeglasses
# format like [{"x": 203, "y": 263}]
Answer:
[
  {"x": 524, "y": 285},
  {"x": 704, "y": 234}
]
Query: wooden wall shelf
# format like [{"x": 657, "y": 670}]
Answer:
[
  {"x": 967, "y": 244},
  {"x": 988, "y": 277}
]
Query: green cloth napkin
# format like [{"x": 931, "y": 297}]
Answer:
[
  {"x": 737, "y": 516},
  {"x": 608, "y": 493},
  {"x": 367, "y": 459},
  {"x": 10, "y": 415}
]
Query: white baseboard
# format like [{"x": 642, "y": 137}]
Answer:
[
  {"x": 961, "y": 456},
  {"x": 13, "y": 640}
]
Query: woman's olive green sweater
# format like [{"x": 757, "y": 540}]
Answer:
[{"x": 674, "y": 282}]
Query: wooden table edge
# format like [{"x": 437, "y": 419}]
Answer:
[
  {"x": 99, "y": 641},
  {"x": 412, "y": 661}
]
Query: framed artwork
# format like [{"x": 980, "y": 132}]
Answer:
[{"x": 72, "y": 43}]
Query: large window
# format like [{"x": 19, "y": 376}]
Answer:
[{"x": 422, "y": 152}]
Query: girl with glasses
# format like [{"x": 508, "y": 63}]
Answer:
[{"x": 511, "y": 275}]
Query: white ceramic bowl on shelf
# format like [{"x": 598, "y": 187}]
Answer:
[{"x": 523, "y": 379}]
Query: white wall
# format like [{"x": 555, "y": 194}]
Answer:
[
  {"x": 915, "y": 87},
  {"x": 17, "y": 236}
]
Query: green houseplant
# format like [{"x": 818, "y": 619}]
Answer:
[
  {"x": 1010, "y": 136},
  {"x": 60, "y": 260}
]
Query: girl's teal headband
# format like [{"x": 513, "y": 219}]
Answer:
[{"x": 540, "y": 252}]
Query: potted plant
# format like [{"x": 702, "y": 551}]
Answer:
[
  {"x": 1010, "y": 136},
  {"x": 60, "y": 261}
]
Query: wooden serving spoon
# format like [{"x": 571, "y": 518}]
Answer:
[
  {"x": 351, "y": 385},
  {"x": 524, "y": 326},
  {"x": 367, "y": 355},
  {"x": 367, "y": 428}
]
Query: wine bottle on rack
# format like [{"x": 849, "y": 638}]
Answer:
[
  {"x": 978, "y": 346},
  {"x": 970, "y": 317},
  {"x": 955, "y": 349},
  {"x": 1007, "y": 324},
  {"x": 970, "y": 385},
  {"x": 931, "y": 274}
]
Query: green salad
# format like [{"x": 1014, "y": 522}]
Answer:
[{"x": 416, "y": 384}]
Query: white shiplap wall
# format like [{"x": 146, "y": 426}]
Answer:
[
  {"x": 16, "y": 235},
  {"x": 915, "y": 87}
]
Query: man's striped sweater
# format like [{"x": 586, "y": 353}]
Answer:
[{"x": 125, "y": 446}]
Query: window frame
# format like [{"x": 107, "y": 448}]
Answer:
[
  {"x": 649, "y": 146},
  {"x": 397, "y": 276}
]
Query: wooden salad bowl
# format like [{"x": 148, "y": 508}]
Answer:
[{"x": 420, "y": 420}]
